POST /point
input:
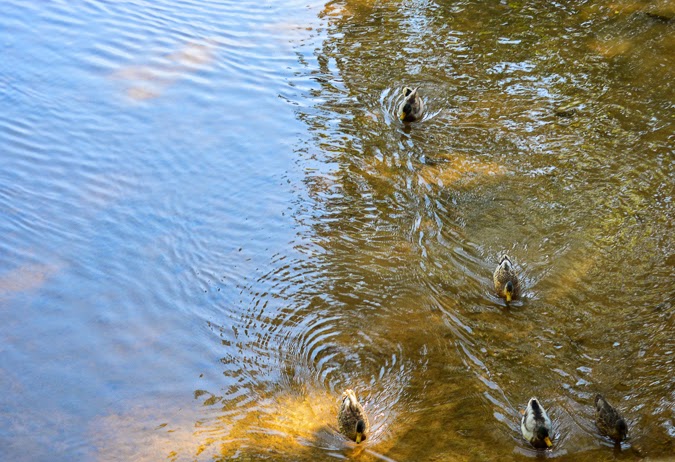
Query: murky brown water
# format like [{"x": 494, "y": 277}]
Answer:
[{"x": 225, "y": 226}]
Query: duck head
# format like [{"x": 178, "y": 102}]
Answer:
[
  {"x": 508, "y": 291},
  {"x": 622, "y": 429},
  {"x": 360, "y": 431},
  {"x": 407, "y": 107},
  {"x": 542, "y": 435}
]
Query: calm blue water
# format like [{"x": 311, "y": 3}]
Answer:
[{"x": 147, "y": 163}]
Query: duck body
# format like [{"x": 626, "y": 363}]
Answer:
[
  {"x": 609, "y": 421},
  {"x": 536, "y": 425},
  {"x": 412, "y": 107},
  {"x": 506, "y": 280},
  {"x": 352, "y": 419}
]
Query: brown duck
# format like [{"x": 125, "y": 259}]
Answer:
[
  {"x": 412, "y": 107},
  {"x": 506, "y": 280},
  {"x": 609, "y": 421},
  {"x": 352, "y": 419}
]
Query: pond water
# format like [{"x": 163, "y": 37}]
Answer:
[{"x": 213, "y": 223}]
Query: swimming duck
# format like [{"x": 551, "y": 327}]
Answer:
[
  {"x": 609, "y": 421},
  {"x": 535, "y": 425},
  {"x": 352, "y": 419},
  {"x": 412, "y": 106},
  {"x": 506, "y": 280}
]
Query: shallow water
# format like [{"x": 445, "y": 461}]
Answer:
[{"x": 213, "y": 223}]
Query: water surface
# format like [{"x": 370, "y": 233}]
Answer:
[{"x": 213, "y": 223}]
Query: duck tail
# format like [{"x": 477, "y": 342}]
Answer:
[
  {"x": 536, "y": 407},
  {"x": 506, "y": 262}
]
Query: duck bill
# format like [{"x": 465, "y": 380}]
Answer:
[
  {"x": 401, "y": 116},
  {"x": 359, "y": 438},
  {"x": 508, "y": 297},
  {"x": 548, "y": 442}
]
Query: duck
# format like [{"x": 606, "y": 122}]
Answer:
[
  {"x": 536, "y": 425},
  {"x": 506, "y": 280},
  {"x": 609, "y": 421},
  {"x": 352, "y": 419},
  {"x": 412, "y": 107}
]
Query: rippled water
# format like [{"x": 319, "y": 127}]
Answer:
[{"x": 213, "y": 223}]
